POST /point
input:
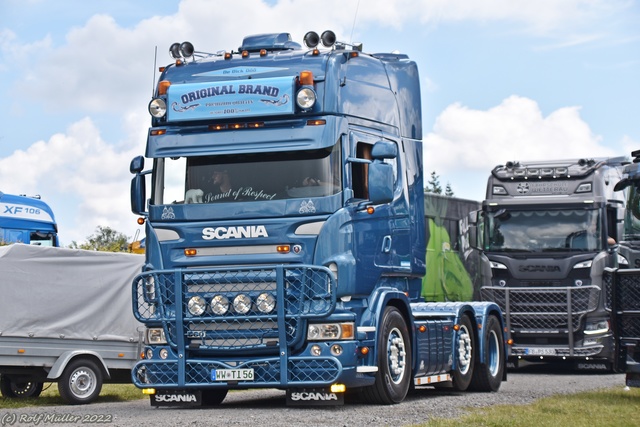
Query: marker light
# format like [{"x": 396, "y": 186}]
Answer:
[
  {"x": 190, "y": 252},
  {"x": 306, "y": 78},
  {"x": 163, "y": 86},
  {"x": 283, "y": 249}
]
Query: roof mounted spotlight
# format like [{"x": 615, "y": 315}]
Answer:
[
  {"x": 186, "y": 49},
  {"x": 311, "y": 39},
  {"x": 328, "y": 38},
  {"x": 174, "y": 50}
]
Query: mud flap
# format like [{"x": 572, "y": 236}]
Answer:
[
  {"x": 314, "y": 397},
  {"x": 176, "y": 398}
]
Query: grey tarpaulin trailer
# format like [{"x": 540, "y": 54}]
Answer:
[{"x": 66, "y": 317}]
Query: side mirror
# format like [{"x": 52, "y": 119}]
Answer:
[
  {"x": 137, "y": 164},
  {"x": 138, "y": 195},
  {"x": 384, "y": 150},
  {"x": 380, "y": 182}
]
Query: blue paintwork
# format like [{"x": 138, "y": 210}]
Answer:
[{"x": 380, "y": 255}]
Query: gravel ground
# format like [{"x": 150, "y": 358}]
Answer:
[{"x": 259, "y": 408}]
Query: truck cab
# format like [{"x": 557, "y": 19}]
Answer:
[
  {"x": 548, "y": 231},
  {"x": 27, "y": 220},
  {"x": 285, "y": 234}
]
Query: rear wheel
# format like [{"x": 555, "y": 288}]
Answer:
[
  {"x": 465, "y": 344},
  {"x": 20, "y": 390},
  {"x": 488, "y": 375},
  {"x": 80, "y": 382},
  {"x": 394, "y": 361}
]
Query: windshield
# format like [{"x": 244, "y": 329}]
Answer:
[
  {"x": 632, "y": 220},
  {"x": 250, "y": 177},
  {"x": 544, "y": 230}
]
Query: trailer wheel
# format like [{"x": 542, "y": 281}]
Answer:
[
  {"x": 464, "y": 358},
  {"x": 20, "y": 390},
  {"x": 394, "y": 361},
  {"x": 80, "y": 382},
  {"x": 213, "y": 397},
  {"x": 488, "y": 375}
]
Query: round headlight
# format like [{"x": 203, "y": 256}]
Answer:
[
  {"x": 242, "y": 304},
  {"x": 305, "y": 98},
  {"x": 266, "y": 302},
  {"x": 157, "y": 108},
  {"x": 196, "y": 305},
  {"x": 219, "y": 304}
]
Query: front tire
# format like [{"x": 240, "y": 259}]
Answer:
[
  {"x": 464, "y": 354},
  {"x": 80, "y": 382},
  {"x": 488, "y": 375},
  {"x": 21, "y": 390},
  {"x": 394, "y": 361}
]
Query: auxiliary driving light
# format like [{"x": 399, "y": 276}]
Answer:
[
  {"x": 265, "y": 302},
  {"x": 157, "y": 108},
  {"x": 306, "y": 98},
  {"x": 220, "y": 304},
  {"x": 242, "y": 304},
  {"x": 196, "y": 305}
]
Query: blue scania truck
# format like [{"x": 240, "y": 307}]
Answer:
[
  {"x": 27, "y": 220},
  {"x": 285, "y": 232}
]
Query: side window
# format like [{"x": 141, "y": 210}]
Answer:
[{"x": 360, "y": 170}]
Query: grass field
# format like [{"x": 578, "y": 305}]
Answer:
[
  {"x": 613, "y": 407},
  {"x": 50, "y": 396}
]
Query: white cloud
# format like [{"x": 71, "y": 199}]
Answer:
[
  {"x": 466, "y": 144},
  {"x": 82, "y": 177}
]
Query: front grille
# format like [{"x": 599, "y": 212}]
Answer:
[
  {"x": 267, "y": 372},
  {"x": 300, "y": 293},
  {"x": 623, "y": 299},
  {"x": 544, "y": 309}
]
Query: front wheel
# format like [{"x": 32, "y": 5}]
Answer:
[
  {"x": 488, "y": 375},
  {"x": 80, "y": 382},
  {"x": 465, "y": 344},
  {"x": 19, "y": 390},
  {"x": 394, "y": 361}
]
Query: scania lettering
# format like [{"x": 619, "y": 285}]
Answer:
[
  {"x": 314, "y": 396},
  {"x": 234, "y": 232},
  {"x": 547, "y": 231},
  {"x": 27, "y": 220},
  {"x": 285, "y": 232}
]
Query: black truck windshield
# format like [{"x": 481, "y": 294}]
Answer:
[
  {"x": 250, "y": 177},
  {"x": 544, "y": 230}
]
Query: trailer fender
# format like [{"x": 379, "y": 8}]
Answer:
[{"x": 65, "y": 358}]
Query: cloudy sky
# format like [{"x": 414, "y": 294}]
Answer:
[{"x": 501, "y": 80}]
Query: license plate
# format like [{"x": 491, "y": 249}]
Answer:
[
  {"x": 232, "y": 375},
  {"x": 540, "y": 351}
]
